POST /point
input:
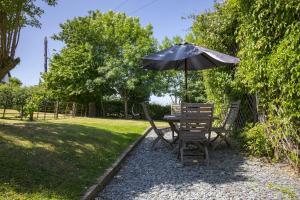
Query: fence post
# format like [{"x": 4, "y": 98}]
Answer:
[
  {"x": 22, "y": 111},
  {"x": 4, "y": 110},
  {"x": 73, "y": 109},
  {"x": 45, "y": 109},
  {"x": 66, "y": 109},
  {"x": 38, "y": 111}
]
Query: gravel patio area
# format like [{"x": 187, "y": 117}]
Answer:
[{"x": 159, "y": 174}]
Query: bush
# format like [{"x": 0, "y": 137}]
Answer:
[
  {"x": 255, "y": 140},
  {"x": 276, "y": 139},
  {"x": 112, "y": 108},
  {"x": 32, "y": 105},
  {"x": 157, "y": 111}
]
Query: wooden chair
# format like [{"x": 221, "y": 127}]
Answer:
[
  {"x": 226, "y": 128},
  {"x": 195, "y": 127},
  {"x": 175, "y": 110},
  {"x": 160, "y": 132}
]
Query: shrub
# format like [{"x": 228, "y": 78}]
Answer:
[
  {"x": 277, "y": 139},
  {"x": 255, "y": 140},
  {"x": 157, "y": 111},
  {"x": 32, "y": 105}
]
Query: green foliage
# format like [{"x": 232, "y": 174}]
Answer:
[
  {"x": 14, "y": 82},
  {"x": 256, "y": 141},
  {"x": 12, "y": 93},
  {"x": 102, "y": 57},
  {"x": 157, "y": 111},
  {"x": 277, "y": 139},
  {"x": 264, "y": 34},
  {"x": 25, "y": 100},
  {"x": 270, "y": 54},
  {"x": 33, "y": 101}
]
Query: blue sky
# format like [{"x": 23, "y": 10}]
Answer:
[{"x": 164, "y": 15}]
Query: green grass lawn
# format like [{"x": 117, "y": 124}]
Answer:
[{"x": 60, "y": 159}]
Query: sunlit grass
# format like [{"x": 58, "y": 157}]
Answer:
[{"x": 60, "y": 159}]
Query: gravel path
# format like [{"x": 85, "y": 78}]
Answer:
[{"x": 158, "y": 174}]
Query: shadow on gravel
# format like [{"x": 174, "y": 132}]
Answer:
[{"x": 147, "y": 169}]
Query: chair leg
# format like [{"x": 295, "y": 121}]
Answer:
[
  {"x": 173, "y": 135},
  {"x": 216, "y": 145},
  {"x": 181, "y": 153},
  {"x": 206, "y": 155},
  {"x": 179, "y": 148},
  {"x": 167, "y": 142},
  {"x": 227, "y": 142},
  {"x": 154, "y": 143},
  {"x": 218, "y": 135}
]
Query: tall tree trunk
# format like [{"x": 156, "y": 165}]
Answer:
[
  {"x": 74, "y": 109},
  {"x": 126, "y": 108},
  {"x": 92, "y": 109},
  {"x": 103, "y": 108},
  {"x": 31, "y": 116},
  {"x": 125, "y": 98}
]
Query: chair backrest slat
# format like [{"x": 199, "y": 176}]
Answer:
[
  {"x": 232, "y": 114},
  {"x": 196, "y": 119}
]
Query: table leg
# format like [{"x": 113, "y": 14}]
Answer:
[{"x": 174, "y": 130}]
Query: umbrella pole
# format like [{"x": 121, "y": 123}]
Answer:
[{"x": 185, "y": 75}]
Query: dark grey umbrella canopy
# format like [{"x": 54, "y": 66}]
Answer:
[{"x": 187, "y": 55}]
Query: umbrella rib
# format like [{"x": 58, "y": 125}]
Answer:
[{"x": 208, "y": 58}]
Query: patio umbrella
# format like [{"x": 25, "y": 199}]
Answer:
[{"x": 187, "y": 57}]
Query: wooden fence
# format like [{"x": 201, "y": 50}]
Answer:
[{"x": 45, "y": 111}]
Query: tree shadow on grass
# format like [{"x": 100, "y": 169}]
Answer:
[
  {"x": 56, "y": 160},
  {"x": 147, "y": 170}
]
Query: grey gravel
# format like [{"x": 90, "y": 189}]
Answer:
[{"x": 149, "y": 174}]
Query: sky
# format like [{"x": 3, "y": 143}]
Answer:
[{"x": 166, "y": 17}]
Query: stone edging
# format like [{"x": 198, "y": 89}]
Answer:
[{"x": 103, "y": 180}]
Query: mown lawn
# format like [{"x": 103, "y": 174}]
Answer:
[{"x": 59, "y": 159}]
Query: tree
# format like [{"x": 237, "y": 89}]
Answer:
[
  {"x": 15, "y": 81},
  {"x": 14, "y": 15},
  {"x": 102, "y": 57}
]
